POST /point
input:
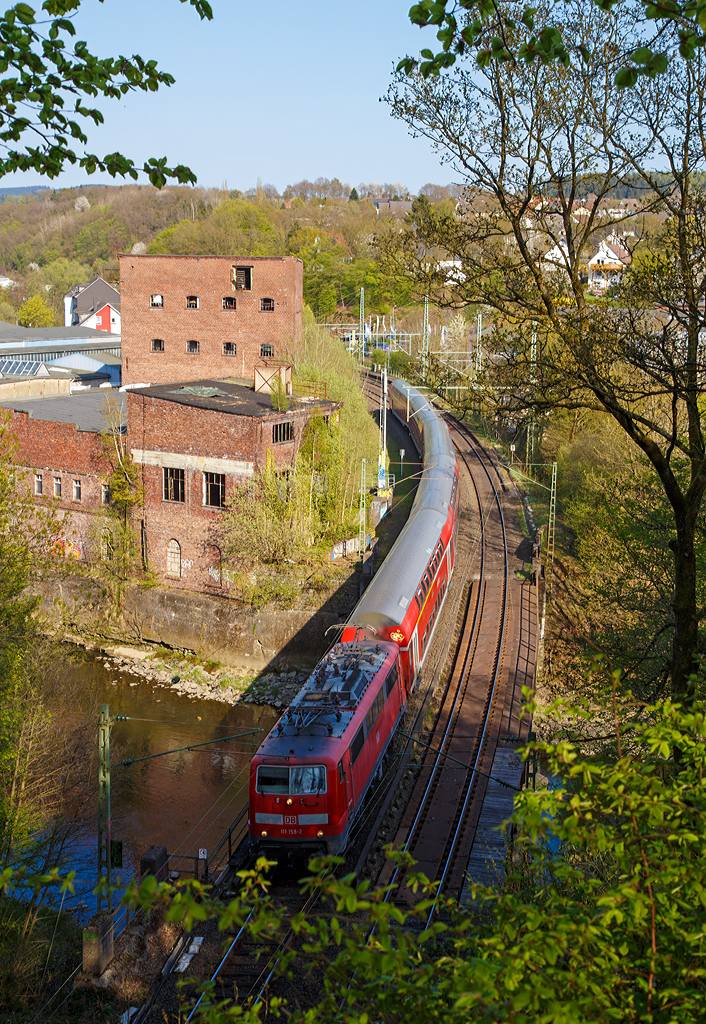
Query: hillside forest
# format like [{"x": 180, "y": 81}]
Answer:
[{"x": 52, "y": 240}]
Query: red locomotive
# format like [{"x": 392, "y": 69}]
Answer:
[{"x": 309, "y": 778}]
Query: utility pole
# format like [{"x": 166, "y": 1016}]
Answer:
[
  {"x": 383, "y": 429},
  {"x": 551, "y": 532},
  {"x": 361, "y": 325},
  {"x": 533, "y": 379},
  {"x": 425, "y": 340},
  {"x": 478, "y": 362},
  {"x": 362, "y": 517},
  {"x": 104, "y": 849}
]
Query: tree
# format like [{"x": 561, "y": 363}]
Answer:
[
  {"x": 530, "y": 140},
  {"x": 465, "y": 26},
  {"x": 353, "y": 197},
  {"x": 599, "y": 915},
  {"x": 45, "y": 72},
  {"x": 34, "y": 312}
]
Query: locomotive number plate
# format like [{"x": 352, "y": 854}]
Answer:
[{"x": 292, "y": 831}]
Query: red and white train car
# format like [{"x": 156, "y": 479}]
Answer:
[{"x": 309, "y": 778}]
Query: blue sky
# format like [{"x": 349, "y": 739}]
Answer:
[{"x": 274, "y": 90}]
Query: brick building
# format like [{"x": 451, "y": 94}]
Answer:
[
  {"x": 189, "y": 317},
  {"x": 62, "y": 453},
  {"x": 193, "y": 444}
]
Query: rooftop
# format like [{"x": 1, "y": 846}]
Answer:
[
  {"x": 327, "y": 702},
  {"x": 84, "y": 409},
  {"x": 14, "y": 334},
  {"x": 225, "y": 396}
]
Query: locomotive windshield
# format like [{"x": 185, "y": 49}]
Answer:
[{"x": 304, "y": 778}]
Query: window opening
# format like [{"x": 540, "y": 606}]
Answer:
[
  {"x": 192, "y": 302},
  {"x": 271, "y": 779},
  {"x": 173, "y": 484},
  {"x": 157, "y": 345},
  {"x": 391, "y": 681},
  {"x": 37, "y": 483},
  {"x": 340, "y": 771},
  {"x": 156, "y": 301},
  {"x": 242, "y": 278},
  {"x": 57, "y": 486},
  {"x": 267, "y": 305},
  {"x": 77, "y": 490},
  {"x": 174, "y": 558},
  {"x": 105, "y": 494},
  {"x": 229, "y": 302},
  {"x": 229, "y": 348},
  {"x": 374, "y": 711},
  {"x": 357, "y": 744},
  {"x": 297, "y": 781},
  {"x": 267, "y": 351},
  {"x": 282, "y": 432},
  {"x": 214, "y": 489},
  {"x": 192, "y": 346}
]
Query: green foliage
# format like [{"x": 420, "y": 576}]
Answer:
[
  {"x": 34, "y": 312},
  {"x": 115, "y": 531},
  {"x": 55, "y": 278},
  {"x": 234, "y": 226},
  {"x": 35, "y": 124},
  {"x": 8, "y": 313},
  {"x": 280, "y": 398},
  {"x": 600, "y": 915}
]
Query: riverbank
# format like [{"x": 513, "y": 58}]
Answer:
[{"x": 188, "y": 676}]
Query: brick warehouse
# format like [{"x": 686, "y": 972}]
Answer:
[
  {"x": 193, "y": 444},
  {"x": 189, "y": 317}
]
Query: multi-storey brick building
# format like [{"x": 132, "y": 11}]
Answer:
[
  {"x": 188, "y": 317},
  {"x": 193, "y": 444}
]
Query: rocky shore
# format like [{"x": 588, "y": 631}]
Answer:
[{"x": 200, "y": 681}]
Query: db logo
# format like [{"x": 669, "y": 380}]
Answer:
[
  {"x": 397, "y": 635},
  {"x": 290, "y": 819}
]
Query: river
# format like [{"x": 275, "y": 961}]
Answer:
[{"x": 184, "y": 800}]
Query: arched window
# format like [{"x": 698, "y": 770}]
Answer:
[
  {"x": 174, "y": 558},
  {"x": 107, "y": 546}
]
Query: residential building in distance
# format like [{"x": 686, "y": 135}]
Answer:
[
  {"x": 95, "y": 304},
  {"x": 191, "y": 317},
  {"x": 607, "y": 265}
]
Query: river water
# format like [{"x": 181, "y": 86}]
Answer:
[{"x": 184, "y": 800}]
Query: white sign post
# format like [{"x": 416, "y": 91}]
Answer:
[{"x": 401, "y": 463}]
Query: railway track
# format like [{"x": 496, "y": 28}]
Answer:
[{"x": 438, "y": 827}]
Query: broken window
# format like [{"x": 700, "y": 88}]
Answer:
[
  {"x": 266, "y": 350},
  {"x": 282, "y": 432},
  {"x": 242, "y": 278},
  {"x": 173, "y": 484},
  {"x": 157, "y": 345},
  {"x": 228, "y": 348},
  {"x": 37, "y": 483},
  {"x": 156, "y": 301},
  {"x": 192, "y": 302},
  {"x": 214, "y": 489},
  {"x": 57, "y": 486},
  {"x": 174, "y": 558},
  {"x": 193, "y": 347},
  {"x": 105, "y": 494},
  {"x": 267, "y": 305},
  {"x": 77, "y": 490},
  {"x": 228, "y": 302}
]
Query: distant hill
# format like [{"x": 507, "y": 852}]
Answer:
[{"x": 24, "y": 190}]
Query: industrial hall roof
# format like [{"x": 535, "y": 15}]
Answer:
[
  {"x": 226, "y": 396},
  {"x": 84, "y": 410}
]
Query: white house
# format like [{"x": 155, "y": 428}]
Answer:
[{"x": 606, "y": 266}]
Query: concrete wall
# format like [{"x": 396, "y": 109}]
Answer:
[
  {"x": 210, "y": 280},
  {"x": 213, "y": 627},
  {"x": 33, "y": 387}
]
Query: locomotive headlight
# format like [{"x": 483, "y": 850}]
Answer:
[
  {"x": 263, "y": 834},
  {"x": 319, "y": 835},
  {"x": 289, "y": 801}
]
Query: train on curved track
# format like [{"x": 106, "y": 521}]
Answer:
[{"x": 310, "y": 776}]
